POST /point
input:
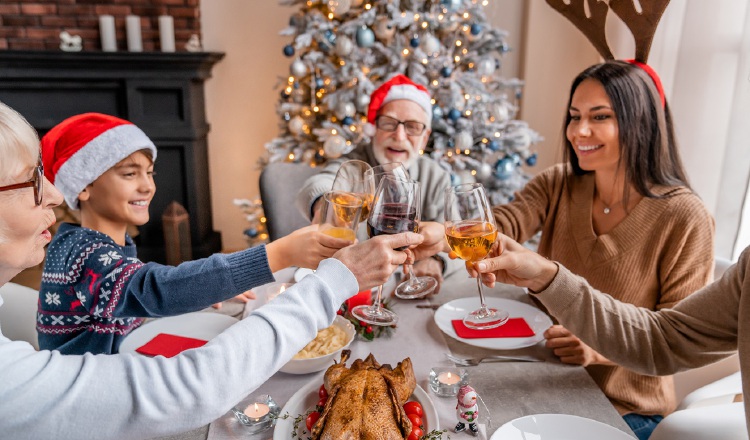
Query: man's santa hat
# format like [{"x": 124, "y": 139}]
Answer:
[
  {"x": 399, "y": 87},
  {"x": 81, "y": 148}
]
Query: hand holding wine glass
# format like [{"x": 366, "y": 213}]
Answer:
[
  {"x": 340, "y": 215},
  {"x": 470, "y": 230},
  {"x": 394, "y": 210},
  {"x": 354, "y": 176}
]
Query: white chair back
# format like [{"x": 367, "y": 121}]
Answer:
[
  {"x": 18, "y": 313},
  {"x": 720, "y": 266},
  {"x": 725, "y": 422}
]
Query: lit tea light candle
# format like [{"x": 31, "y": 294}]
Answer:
[
  {"x": 448, "y": 378},
  {"x": 257, "y": 410}
]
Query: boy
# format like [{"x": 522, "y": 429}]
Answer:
[{"x": 94, "y": 289}]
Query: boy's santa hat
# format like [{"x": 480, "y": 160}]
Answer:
[
  {"x": 399, "y": 87},
  {"x": 81, "y": 148}
]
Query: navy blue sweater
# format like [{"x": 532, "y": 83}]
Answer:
[{"x": 94, "y": 291}]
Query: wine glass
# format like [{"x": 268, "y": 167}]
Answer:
[
  {"x": 340, "y": 214},
  {"x": 415, "y": 287},
  {"x": 394, "y": 210},
  {"x": 353, "y": 177},
  {"x": 470, "y": 230}
]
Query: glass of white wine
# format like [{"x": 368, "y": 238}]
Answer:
[
  {"x": 355, "y": 177},
  {"x": 340, "y": 214},
  {"x": 471, "y": 231}
]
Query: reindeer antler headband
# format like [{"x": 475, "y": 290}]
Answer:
[{"x": 641, "y": 24}]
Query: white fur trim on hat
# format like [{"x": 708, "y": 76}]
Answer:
[
  {"x": 411, "y": 93},
  {"x": 96, "y": 157}
]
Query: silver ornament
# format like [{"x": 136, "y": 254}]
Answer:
[
  {"x": 298, "y": 68},
  {"x": 344, "y": 46},
  {"x": 344, "y": 109},
  {"x": 384, "y": 30},
  {"x": 431, "y": 45},
  {"x": 486, "y": 66},
  {"x": 484, "y": 172},
  {"x": 466, "y": 177},
  {"x": 365, "y": 37},
  {"x": 296, "y": 125},
  {"x": 362, "y": 102},
  {"x": 334, "y": 146},
  {"x": 500, "y": 112}
]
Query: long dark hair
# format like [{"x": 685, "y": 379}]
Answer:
[{"x": 648, "y": 148}]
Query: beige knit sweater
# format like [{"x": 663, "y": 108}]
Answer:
[
  {"x": 659, "y": 254},
  {"x": 709, "y": 325}
]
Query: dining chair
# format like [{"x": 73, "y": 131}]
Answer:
[
  {"x": 18, "y": 313},
  {"x": 725, "y": 422},
  {"x": 279, "y": 184}
]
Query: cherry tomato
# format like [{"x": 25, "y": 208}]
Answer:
[
  {"x": 416, "y": 421},
  {"x": 416, "y": 433},
  {"x": 413, "y": 408},
  {"x": 322, "y": 393},
  {"x": 322, "y": 402},
  {"x": 311, "y": 419}
]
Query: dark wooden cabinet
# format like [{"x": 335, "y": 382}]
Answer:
[{"x": 162, "y": 93}]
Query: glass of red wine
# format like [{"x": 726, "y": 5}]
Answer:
[{"x": 395, "y": 209}]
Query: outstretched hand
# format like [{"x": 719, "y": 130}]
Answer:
[
  {"x": 570, "y": 349},
  {"x": 305, "y": 247},
  {"x": 434, "y": 240},
  {"x": 373, "y": 261},
  {"x": 510, "y": 263}
]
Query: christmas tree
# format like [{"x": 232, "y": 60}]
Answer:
[{"x": 343, "y": 49}]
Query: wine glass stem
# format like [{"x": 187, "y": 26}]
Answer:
[
  {"x": 410, "y": 278},
  {"x": 481, "y": 292},
  {"x": 378, "y": 297}
]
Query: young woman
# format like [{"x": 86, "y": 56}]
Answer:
[{"x": 44, "y": 394}]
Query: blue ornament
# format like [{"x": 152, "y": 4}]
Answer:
[
  {"x": 497, "y": 63},
  {"x": 289, "y": 50},
  {"x": 531, "y": 160},
  {"x": 494, "y": 145},
  {"x": 476, "y": 28},
  {"x": 504, "y": 48},
  {"x": 516, "y": 159},
  {"x": 319, "y": 83},
  {"x": 347, "y": 120},
  {"x": 451, "y": 5},
  {"x": 454, "y": 114},
  {"x": 414, "y": 42},
  {"x": 251, "y": 232},
  {"x": 323, "y": 46},
  {"x": 446, "y": 72},
  {"x": 365, "y": 37},
  {"x": 519, "y": 94},
  {"x": 330, "y": 36},
  {"x": 504, "y": 168},
  {"x": 284, "y": 94}
]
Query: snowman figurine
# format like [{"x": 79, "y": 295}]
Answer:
[{"x": 467, "y": 410}]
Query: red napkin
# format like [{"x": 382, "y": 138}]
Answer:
[
  {"x": 168, "y": 345},
  {"x": 514, "y": 328}
]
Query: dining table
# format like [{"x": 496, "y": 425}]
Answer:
[{"x": 508, "y": 390}]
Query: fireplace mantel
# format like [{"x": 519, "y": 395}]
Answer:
[{"x": 162, "y": 93}]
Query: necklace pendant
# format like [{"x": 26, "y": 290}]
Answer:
[{"x": 607, "y": 210}]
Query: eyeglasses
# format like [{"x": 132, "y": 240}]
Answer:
[
  {"x": 36, "y": 182},
  {"x": 387, "y": 123}
]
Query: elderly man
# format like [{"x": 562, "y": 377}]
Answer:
[{"x": 401, "y": 112}]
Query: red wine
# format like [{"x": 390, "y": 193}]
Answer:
[{"x": 393, "y": 218}]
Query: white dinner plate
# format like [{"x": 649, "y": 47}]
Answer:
[
  {"x": 307, "y": 397},
  {"x": 198, "y": 325},
  {"x": 557, "y": 427},
  {"x": 458, "y": 308}
]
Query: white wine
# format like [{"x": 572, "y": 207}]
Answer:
[
  {"x": 336, "y": 232},
  {"x": 471, "y": 240}
]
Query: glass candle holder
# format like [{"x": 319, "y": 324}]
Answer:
[
  {"x": 445, "y": 381},
  {"x": 259, "y": 415}
]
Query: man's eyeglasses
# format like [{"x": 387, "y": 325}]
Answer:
[
  {"x": 36, "y": 182},
  {"x": 387, "y": 123}
]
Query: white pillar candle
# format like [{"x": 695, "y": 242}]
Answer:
[
  {"x": 107, "y": 33},
  {"x": 133, "y": 31},
  {"x": 166, "y": 33}
]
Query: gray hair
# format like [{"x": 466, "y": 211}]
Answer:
[{"x": 19, "y": 143}]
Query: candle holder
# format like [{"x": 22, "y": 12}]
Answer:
[
  {"x": 259, "y": 415},
  {"x": 445, "y": 381}
]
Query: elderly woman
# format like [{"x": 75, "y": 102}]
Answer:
[{"x": 48, "y": 395}]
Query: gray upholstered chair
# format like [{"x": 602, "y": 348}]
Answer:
[
  {"x": 279, "y": 184},
  {"x": 18, "y": 313}
]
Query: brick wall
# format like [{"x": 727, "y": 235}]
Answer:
[{"x": 36, "y": 24}]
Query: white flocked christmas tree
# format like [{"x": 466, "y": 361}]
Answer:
[{"x": 341, "y": 50}]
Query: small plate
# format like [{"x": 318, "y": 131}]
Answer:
[
  {"x": 307, "y": 397},
  {"x": 311, "y": 365},
  {"x": 198, "y": 325},
  {"x": 557, "y": 427},
  {"x": 458, "y": 308}
]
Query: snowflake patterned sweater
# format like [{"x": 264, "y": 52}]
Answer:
[{"x": 94, "y": 291}]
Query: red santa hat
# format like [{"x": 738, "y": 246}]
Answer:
[
  {"x": 81, "y": 148},
  {"x": 399, "y": 87}
]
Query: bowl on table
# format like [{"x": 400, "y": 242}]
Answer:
[{"x": 319, "y": 363}]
